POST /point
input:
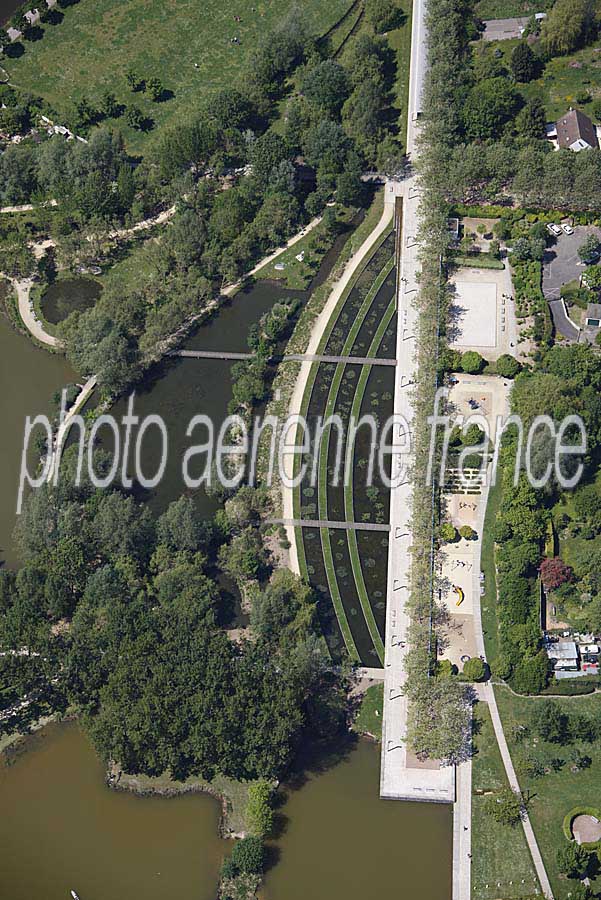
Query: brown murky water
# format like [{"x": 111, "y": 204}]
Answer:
[{"x": 63, "y": 829}]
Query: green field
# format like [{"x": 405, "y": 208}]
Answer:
[
  {"x": 500, "y": 854},
  {"x": 99, "y": 40},
  {"x": 554, "y": 794},
  {"x": 488, "y": 603}
]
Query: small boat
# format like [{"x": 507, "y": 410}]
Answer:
[{"x": 74, "y": 895}]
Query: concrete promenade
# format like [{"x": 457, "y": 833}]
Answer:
[{"x": 402, "y": 776}]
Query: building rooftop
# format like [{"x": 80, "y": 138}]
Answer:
[
  {"x": 562, "y": 650},
  {"x": 575, "y": 126}
]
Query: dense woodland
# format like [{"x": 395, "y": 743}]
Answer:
[{"x": 119, "y": 616}]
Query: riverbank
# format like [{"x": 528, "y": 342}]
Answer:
[{"x": 231, "y": 795}]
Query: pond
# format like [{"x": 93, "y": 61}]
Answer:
[
  {"x": 67, "y": 830},
  {"x": 67, "y": 295},
  {"x": 341, "y": 841}
]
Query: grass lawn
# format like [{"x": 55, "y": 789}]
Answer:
[
  {"x": 555, "y": 794},
  {"x": 369, "y": 717},
  {"x": 99, "y": 40},
  {"x": 499, "y": 854},
  {"x": 563, "y": 79},
  {"x": 298, "y": 274},
  {"x": 506, "y": 9}
]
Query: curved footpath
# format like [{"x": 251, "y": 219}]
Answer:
[{"x": 317, "y": 332}]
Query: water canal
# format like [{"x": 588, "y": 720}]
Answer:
[{"x": 29, "y": 378}]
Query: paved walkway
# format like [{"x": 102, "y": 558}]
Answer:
[
  {"x": 329, "y": 523},
  {"x": 297, "y": 357},
  {"x": 27, "y": 313},
  {"x": 85, "y": 393},
  {"x": 563, "y": 323},
  {"x": 401, "y": 776}
]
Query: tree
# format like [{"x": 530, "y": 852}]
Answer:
[
  {"x": 590, "y": 249},
  {"x": 259, "y": 811},
  {"x": 592, "y": 278},
  {"x": 550, "y": 722},
  {"x": 109, "y": 105},
  {"x": 507, "y": 366},
  {"x": 134, "y": 117},
  {"x": 154, "y": 87},
  {"x": 134, "y": 80},
  {"x": 597, "y": 110},
  {"x": 467, "y": 532},
  {"x": 505, "y": 807},
  {"x": 573, "y": 860},
  {"x": 489, "y": 105},
  {"x": 524, "y": 64},
  {"x": 474, "y": 669},
  {"x": 248, "y": 856},
  {"x": 531, "y": 120},
  {"x": 531, "y": 674},
  {"x": 326, "y": 85},
  {"x": 325, "y": 146},
  {"x": 349, "y": 187},
  {"x": 554, "y": 572},
  {"x": 448, "y": 532},
  {"x": 383, "y": 15},
  {"x": 472, "y": 363},
  {"x": 568, "y": 25}
]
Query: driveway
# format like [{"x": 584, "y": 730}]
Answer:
[
  {"x": 562, "y": 323},
  {"x": 560, "y": 264}
]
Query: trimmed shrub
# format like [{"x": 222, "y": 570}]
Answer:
[
  {"x": 474, "y": 669},
  {"x": 472, "y": 363}
]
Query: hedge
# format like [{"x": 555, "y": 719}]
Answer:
[
  {"x": 571, "y": 686},
  {"x": 581, "y": 811}
]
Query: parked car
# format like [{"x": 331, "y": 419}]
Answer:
[
  {"x": 567, "y": 228},
  {"x": 554, "y": 229}
]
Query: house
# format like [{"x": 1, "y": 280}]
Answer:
[
  {"x": 564, "y": 656},
  {"x": 453, "y": 226},
  {"x": 576, "y": 132}
]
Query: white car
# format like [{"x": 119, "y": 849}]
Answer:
[
  {"x": 554, "y": 229},
  {"x": 567, "y": 228}
]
